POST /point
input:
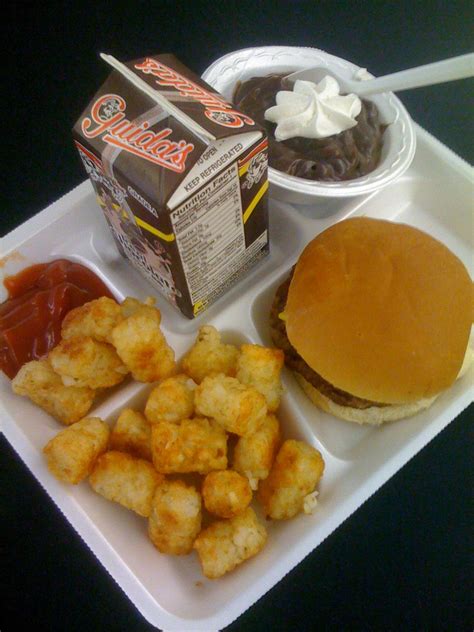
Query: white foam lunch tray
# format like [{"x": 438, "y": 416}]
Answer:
[{"x": 435, "y": 194}]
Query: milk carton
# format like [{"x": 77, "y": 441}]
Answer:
[{"x": 181, "y": 177}]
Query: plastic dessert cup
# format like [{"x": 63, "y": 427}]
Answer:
[{"x": 319, "y": 199}]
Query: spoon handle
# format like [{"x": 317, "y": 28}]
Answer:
[{"x": 430, "y": 74}]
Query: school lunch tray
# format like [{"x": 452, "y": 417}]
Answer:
[{"x": 435, "y": 195}]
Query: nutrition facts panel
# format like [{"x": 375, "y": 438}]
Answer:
[{"x": 209, "y": 234}]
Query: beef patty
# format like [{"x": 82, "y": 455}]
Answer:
[{"x": 296, "y": 363}]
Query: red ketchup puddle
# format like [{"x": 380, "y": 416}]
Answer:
[{"x": 39, "y": 298}]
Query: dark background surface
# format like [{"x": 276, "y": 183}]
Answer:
[{"x": 404, "y": 560}]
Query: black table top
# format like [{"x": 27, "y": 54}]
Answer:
[{"x": 403, "y": 561}]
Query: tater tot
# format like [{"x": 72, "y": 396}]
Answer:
[
  {"x": 171, "y": 400},
  {"x": 261, "y": 367},
  {"x": 238, "y": 408},
  {"x": 132, "y": 306},
  {"x": 82, "y": 361},
  {"x": 209, "y": 355},
  {"x": 193, "y": 445},
  {"x": 96, "y": 319},
  {"x": 254, "y": 455},
  {"x": 37, "y": 381},
  {"x": 295, "y": 473},
  {"x": 126, "y": 480},
  {"x": 72, "y": 453},
  {"x": 226, "y": 543},
  {"x": 226, "y": 493},
  {"x": 142, "y": 347},
  {"x": 175, "y": 518},
  {"x": 132, "y": 434}
]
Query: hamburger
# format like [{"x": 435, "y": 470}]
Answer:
[{"x": 374, "y": 320}]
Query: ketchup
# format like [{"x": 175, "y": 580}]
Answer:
[{"x": 39, "y": 298}]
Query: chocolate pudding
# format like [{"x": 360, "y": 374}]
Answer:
[{"x": 344, "y": 156}]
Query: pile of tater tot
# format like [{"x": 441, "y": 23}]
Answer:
[{"x": 206, "y": 442}]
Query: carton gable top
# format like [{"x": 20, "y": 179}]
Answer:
[
  {"x": 156, "y": 115},
  {"x": 191, "y": 95}
]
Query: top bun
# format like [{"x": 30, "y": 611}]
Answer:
[{"x": 380, "y": 310}]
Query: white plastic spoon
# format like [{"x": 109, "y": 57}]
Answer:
[{"x": 439, "y": 72}]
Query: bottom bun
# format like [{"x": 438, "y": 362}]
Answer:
[{"x": 375, "y": 415}]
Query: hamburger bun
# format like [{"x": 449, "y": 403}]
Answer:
[
  {"x": 381, "y": 311},
  {"x": 373, "y": 415}
]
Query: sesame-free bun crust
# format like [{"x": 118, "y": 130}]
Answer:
[
  {"x": 374, "y": 416},
  {"x": 380, "y": 310}
]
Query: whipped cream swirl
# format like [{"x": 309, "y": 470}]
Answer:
[{"x": 313, "y": 110}]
